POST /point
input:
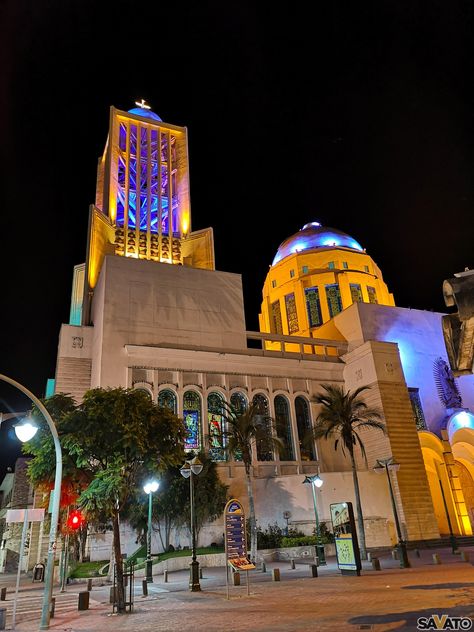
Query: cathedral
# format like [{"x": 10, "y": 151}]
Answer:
[{"x": 150, "y": 311}]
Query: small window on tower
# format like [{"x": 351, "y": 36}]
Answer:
[
  {"x": 274, "y": 283},
  {"x": 372, "y": 294},
  {"x": 331, "y": 265},
  {"x": 344, "y": 265},
  {"x": 292, "y": 274},
  {"x": 305, "y": 269},
  {"x": 366, "y": 268}
]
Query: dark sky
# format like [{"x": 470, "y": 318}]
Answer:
[{"x": 358, "y": 115}]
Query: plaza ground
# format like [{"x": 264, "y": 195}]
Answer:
[{"x": 390, "y": 599}]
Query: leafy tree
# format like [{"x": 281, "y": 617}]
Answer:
[
  {"x": 244, "y": 428},
  {"x": 114, "y": 436},
  {"x": 171, "y": 504},
  {"x": 342, "y": 416}
]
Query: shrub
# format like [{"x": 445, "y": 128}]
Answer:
[{"x": 304, "y": 540}]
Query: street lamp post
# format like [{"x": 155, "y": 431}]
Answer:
[
  {"x": 49, "y": 575},
  {"x": 189, "y": 470},
  {"x": 316, "y": 482},
  {"x": 149, "y": 488},
  {"x": 452, "y": 537},
  {"x": 386, "y": 465}
]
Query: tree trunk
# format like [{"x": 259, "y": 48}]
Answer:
[
  {"x": 252, "y": 519},
  {"x": 118, "y": 564},
  {"x": 360, "y": 517}
]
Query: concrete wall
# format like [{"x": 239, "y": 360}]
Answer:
[{"x": 420, "y": 341}]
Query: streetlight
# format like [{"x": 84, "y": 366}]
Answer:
[
  {"x": 149, "y": 488},
  {"x": 189, "y": 470},
  {"x": 49, "y": 575},
  {"x": 386, "y": 465},
  {"x": 316, "y": 481}
]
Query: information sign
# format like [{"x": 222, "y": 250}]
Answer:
[
  {"x": 236, "y": 539},
  {"x": 345, "y": 538}
]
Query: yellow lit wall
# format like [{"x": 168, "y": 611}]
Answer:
[{"x": 319, "y": 268}]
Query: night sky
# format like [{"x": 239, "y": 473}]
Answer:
[{"x": 359, "y": 116}]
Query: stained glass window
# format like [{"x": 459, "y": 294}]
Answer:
[
  {"x": 313, "y": 306},
  {"x": 356, "y": 293},
  {"x": 303, "y": 423},
  {"x": 167, "y": 399},
  {"x": 283, "y": 424},
  {"x": 372, "y": 294},
  {"x": 417, "y": 408},
  {"x": 263, "y": 451},
  {"x": 333, "y": 296},
  {"x": 291, "y": 313},
  {"x": 192, "y": 420},
  {"x": 277, "y": 327},
  {"x": 215, "y": 419},
  {"x": 238, "y": 402}
]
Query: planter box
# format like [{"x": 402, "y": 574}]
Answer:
[{"x": 293, "y": 553}]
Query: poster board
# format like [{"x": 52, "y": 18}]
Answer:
[
  {"x": 345, "y": 538},
  {"x": 236, "y": 541}
]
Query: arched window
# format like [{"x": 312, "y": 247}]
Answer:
[
  {"x": 303, "y": 423},
  {"x": 167, "y": 399},
  {"x": 238, "y": 401},
  {"x": 143, "y": 390},
  {"x": 283, "y": 424},
  {"x": 192, "y": 420},
  {"x": 263, "y": 451},
  {"x": 215, "y": 412}
]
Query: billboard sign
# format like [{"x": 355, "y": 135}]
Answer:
[{"x": 345, "y": 538}]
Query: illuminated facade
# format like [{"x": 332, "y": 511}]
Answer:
[{"x": 150, "y": 311}]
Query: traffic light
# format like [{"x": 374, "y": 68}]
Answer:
[{"x": 75, "y": 520}]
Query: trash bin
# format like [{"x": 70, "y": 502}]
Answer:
[{"x": 38, "y": 573}]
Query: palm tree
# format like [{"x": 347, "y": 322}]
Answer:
[
  {"x": 243, "y": 428},
  {"x": 343, "y": 414}
]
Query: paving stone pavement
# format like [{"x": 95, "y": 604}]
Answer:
[{"x": 390, "y": 599}]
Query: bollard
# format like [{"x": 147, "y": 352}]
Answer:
[
  {"x": 236, "y": 579},
  {"x": 264, "y": 567},
  {"x": 3, "y": 593},
  {"x": 292, "y": 564},
  {"x": 112, "y": 595},
  {"x": 83, "y": 600},
  {"x": 125, "y": 581},
  {"x": 3, "y": 618},
  {"x": 395, "y": 554},
  {"x": 436, "y": 559},
  {"x": 314, "y": 570},
  {"x": 417, "y": 553},
  {"x": 376, "y": 564},
  {"x": 89, "y": 585},
  {"x": 369, "y": 556},
  {"x": 52, "y": 608},
  {"x": 145, "y": 588},
  {"x": 200, "y": 572},
  {"x": 465, "y": 556},
  {"x": 165, "y": 576},
  {"x": 276, "y": 574}
]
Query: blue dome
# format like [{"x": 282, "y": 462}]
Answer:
[
  {"x": 144, "y": 112},
  {"x": 313, "y": 236}
]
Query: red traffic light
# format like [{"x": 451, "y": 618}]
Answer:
[{"x": 75, "y": 520}]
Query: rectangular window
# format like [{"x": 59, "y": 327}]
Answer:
[
  {"x": 356, "y": 293},
  {"x": 333, "y": 296},
  {"x": 292, "y": 273},
  {"x": 366, "y": 268},
  {"x": 305, "y": 269},
  {"x": 274, "y": 283},
  {"x": 418, "y": 415},
  {"x": 313, "y": 306},
  {"x": 331, "y": 265},
  {"x": 372, "y": 294},
  {"x": 291, "y": 313},
  {"x": 276, "y": 318},
  {"x": 344, "y": 265}
]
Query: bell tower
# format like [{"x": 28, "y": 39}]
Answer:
[{"x": 142, "y": 207}]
